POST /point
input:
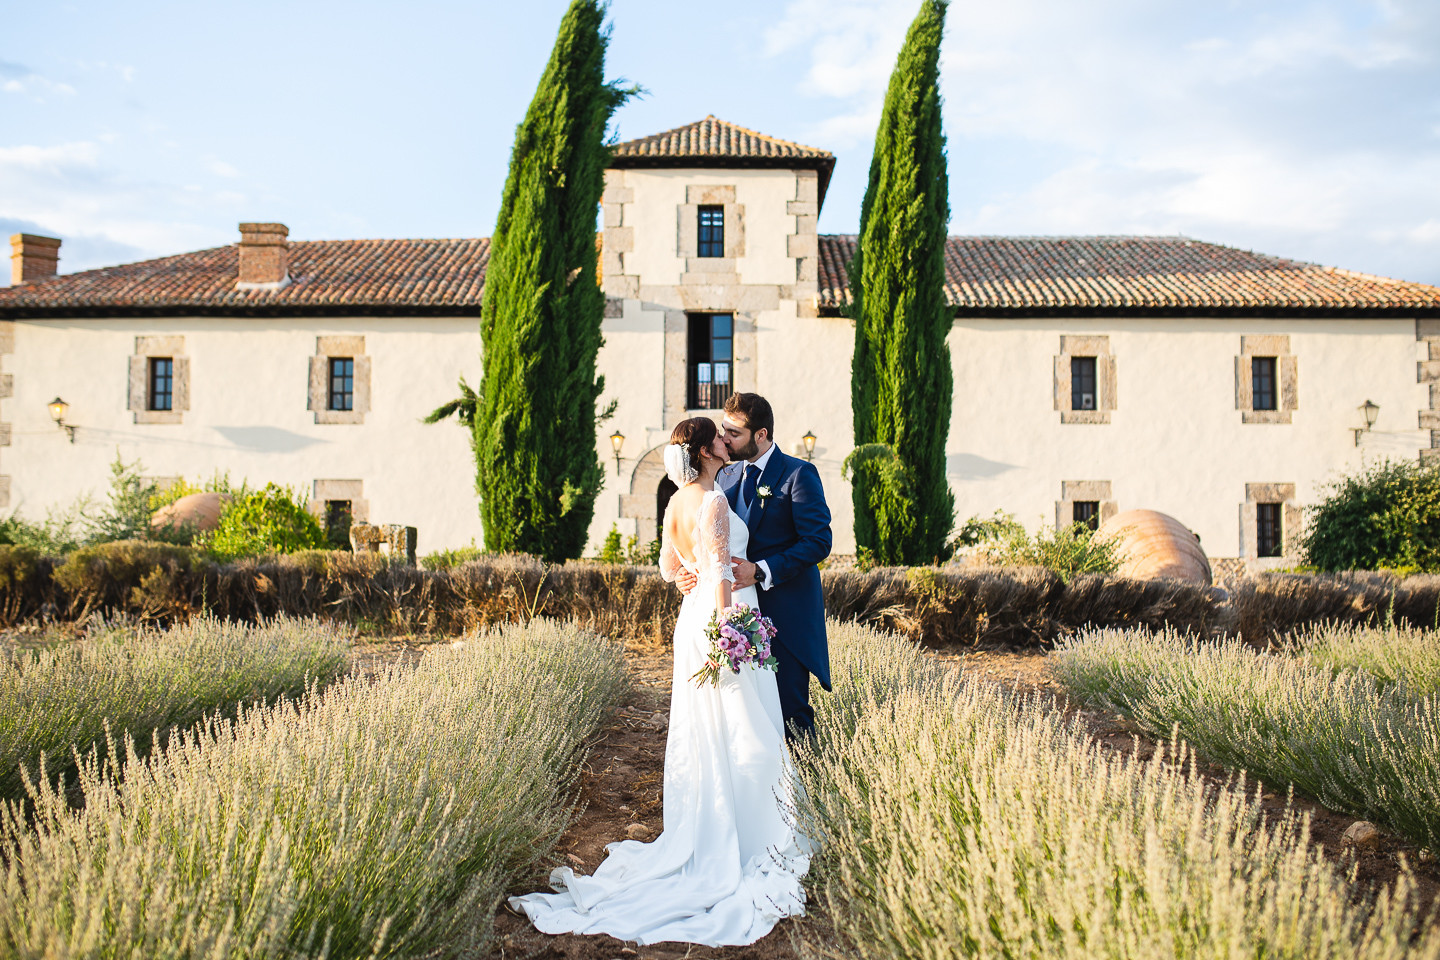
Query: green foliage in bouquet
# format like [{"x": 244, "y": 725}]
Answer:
[
  {"x": 534, "y": 415},
  {"x": 269, "y": 520},
  {"x": 901, "y": 382},
  {"x": 1386, "y": 516}
]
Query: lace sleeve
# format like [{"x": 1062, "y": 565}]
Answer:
[
  {"x": 714, "y": 530},
  {"x": 670, "y": 565}
]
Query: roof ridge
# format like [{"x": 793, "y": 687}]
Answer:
[{"x": 748, "y": 131}]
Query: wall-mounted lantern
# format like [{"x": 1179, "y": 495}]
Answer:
[
  {"x": 617, "y": 440},
  {"x": 1371, "y": 411},
  {"x": 809, "y": 441},
  {"x": 58, "y": 409}
]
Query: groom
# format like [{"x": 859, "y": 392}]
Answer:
[{"x": 780, "y": 500}]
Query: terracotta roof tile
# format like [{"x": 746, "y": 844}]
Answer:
[
  {"x": 983, "y": 274},
  {"x": 715, "y": 142},
  {"x": 713, "y": 137},
  {"x": 446, "y": 276},
  {"x": 1155, "y": 273}
]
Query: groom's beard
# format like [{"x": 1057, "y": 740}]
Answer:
[{"x": 745, "y": 452}]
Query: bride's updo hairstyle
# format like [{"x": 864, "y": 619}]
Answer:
[{"x": 694, "y": 435}]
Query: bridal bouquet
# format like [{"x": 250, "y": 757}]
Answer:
[{"x": 738, "y": 635}]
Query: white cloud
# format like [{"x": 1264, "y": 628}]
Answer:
[
  {"x": 18, "y": 78},
  {"x": 74, "y": 190},
  {"x": 222, "y": 169},
  {"x": 1307, "y": 124}
]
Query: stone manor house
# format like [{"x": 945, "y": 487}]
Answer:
[{"x": 1092, "y": 374}]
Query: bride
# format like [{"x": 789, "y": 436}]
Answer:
[{"x": 729, "y": 863}]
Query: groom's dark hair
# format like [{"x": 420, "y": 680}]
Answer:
[{"x": 754, "y": 410}]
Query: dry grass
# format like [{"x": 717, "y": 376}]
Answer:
[
  {"x": 383, "y": 817},
  {"x": 1019, "y": 606},
  {"x": 1402, "y": 656},
  {"x": 143, "y": 682},
  {"x": 1355, "y": 744},
  {"x": 955, "y": 821}
]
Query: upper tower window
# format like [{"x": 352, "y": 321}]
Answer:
[{"x": 711, "y": 234}]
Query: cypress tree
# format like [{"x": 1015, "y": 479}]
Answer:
[
  {"x": 901, "y": 386},
  {"x": 533, "y": 416}
]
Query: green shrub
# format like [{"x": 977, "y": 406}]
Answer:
[
  {"x": 383, "y": 817},
  {"x": 999, "y": 526},
  {"x": 19, "y": 578},
  {"x": 446, "y": 559},
  {"x": 270, "y": 520},
  {"x": 1386, "y": 516},
  {"x": 142, "y": 577},
  {"x": 126, "y": 514},
  {"x": 1069, "y": 551},
  {"x": 140, "y": 681},
  {"x": 62, "y": 530},
  {"x": 219, "y": 483},
  {"x": 610, "y": 550},
  {"x": 956, "y": 821}
]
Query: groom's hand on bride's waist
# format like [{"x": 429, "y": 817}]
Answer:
[{"x": 745, "y": 574}]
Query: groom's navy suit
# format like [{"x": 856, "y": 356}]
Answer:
[{"x": 790, "y": 531}]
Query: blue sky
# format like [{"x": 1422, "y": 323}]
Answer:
[{"x": 1308, "y": 129}]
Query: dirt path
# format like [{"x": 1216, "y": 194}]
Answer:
[{"x": 620, "y": 788}]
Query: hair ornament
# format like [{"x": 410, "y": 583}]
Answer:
[{"x": 677, "y": 465}]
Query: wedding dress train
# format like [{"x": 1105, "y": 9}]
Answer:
[{"x": 729, "y": 863}]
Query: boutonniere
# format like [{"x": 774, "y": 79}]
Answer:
[{"x": 764, "y": 493}]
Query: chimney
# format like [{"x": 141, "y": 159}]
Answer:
[
  {"x": 32, "y": 258},
  {"x": 264, "y": 256}
]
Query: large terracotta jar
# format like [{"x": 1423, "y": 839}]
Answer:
[{"x": 1154, "y": 544}]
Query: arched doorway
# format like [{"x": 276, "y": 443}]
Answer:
[
  {"x": 663, "y": 493},
  {"x": 650, "y": 490}
]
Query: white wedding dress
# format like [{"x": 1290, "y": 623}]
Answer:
[{"x": 729, "y": 863}]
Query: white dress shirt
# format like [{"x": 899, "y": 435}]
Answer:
[{"x": 759, "y": 463}]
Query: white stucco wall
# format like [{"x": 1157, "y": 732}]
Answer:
[
  {"x": 1175, "y": 442},
  {"x": 248, "y": 416},
  {"x": 652, "y": 215}
]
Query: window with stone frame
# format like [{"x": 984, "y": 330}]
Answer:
[
  {"x": 339, "y": 380},
  {"x": 1266, "y": 380},
  {"x": 710, "y": 360},
  {"x": 1090, "y": 502},
  {"x": 1270, "y": 521},
  {"x": 339, "y": 514},
  {"x": 159, "y": 380},
  {"x": 1269, "y": 530},
  {"x": 336, "y": 505},
  {"x": 1085, "y": 379}
]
